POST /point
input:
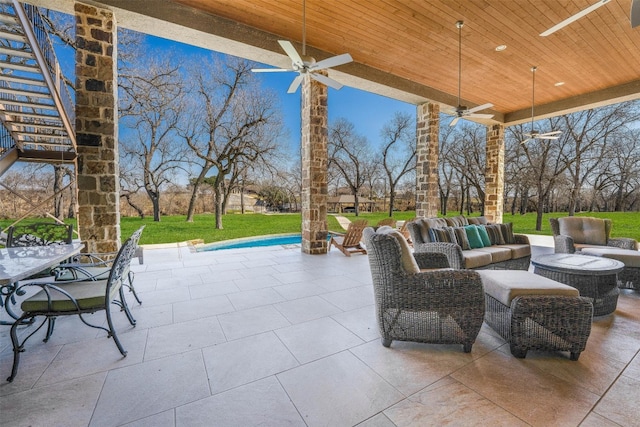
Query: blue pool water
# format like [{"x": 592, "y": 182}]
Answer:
[{"x": 287, "y": 239}]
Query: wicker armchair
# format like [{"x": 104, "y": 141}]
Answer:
[
  {"x": 440, "y": 307},
  {"x": 571, "y": 234}
]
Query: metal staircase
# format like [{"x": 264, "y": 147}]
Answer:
[{"x": 37, "y": 117}]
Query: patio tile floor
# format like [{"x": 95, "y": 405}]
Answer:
[{"x": 271, "y": 336}]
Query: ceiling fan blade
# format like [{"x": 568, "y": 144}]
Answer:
[
  {"x": 547, "y": 137},
  {"x": 334, "y": 61},
  {"x": 291, "y": 51},
  {"x": 454, "y": 121},
  {"x": 479, "y": 116},
  {"x": 526, "y": 140},
  {"x": 480, "y": 107},
  {"x": 270, "y": 70},
  {"x": 555, "y": 132},
  {"x": 574, "y": 18},
  {"x": 326, "y": 80},
  {"x": 295, "y": 83}
]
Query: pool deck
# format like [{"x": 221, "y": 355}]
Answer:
[{"x": 274, "y": 337}]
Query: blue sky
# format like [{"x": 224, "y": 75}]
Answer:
[{"x": 368, "y": 112}]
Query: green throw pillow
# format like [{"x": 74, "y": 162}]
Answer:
[
  {"x": 475, "y": 242},
  {"x": 484, "y": 235}
]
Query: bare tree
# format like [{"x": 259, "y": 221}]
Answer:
[
  {"x": 398, "y": 151},
  {"x": 446, "y": 173},
  {"x": 232, "y": 122},
  {"x": 151, "y": 107},
  {"x": 622, "y": 173},
  {"x": 544, "y": 165},
  {"x": 467, "y": 156},
  {"x": 589, "y": 133},
  {"x": 350, "y": 154}
]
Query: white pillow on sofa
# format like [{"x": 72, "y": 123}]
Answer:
[{"x": 408, "y": 261}]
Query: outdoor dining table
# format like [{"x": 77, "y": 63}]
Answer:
[{"x": 22, "y": 262}]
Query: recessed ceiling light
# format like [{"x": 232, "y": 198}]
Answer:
[
  {"x": 501, "y": 48},
  {"x": 558, "y": 84}
]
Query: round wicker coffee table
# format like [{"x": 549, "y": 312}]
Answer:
[{"x": 594, "y": 277}]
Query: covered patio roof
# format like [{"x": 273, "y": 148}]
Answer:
[{"x": 408, "y": 49}]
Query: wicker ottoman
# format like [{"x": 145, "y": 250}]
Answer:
[
  {"x": 630, "y": 276},
  {"x": 532, "y": 312}
]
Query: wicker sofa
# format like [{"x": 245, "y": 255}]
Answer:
[{"x": 505, "y": 251}]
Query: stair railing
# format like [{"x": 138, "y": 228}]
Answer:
[{"x": 36, "y": 33}]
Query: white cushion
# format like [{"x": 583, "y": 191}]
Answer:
[
  {"x": 408, "y": 261},
  {"x": 505, "y": 285}
]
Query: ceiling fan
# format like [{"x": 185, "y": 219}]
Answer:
[
  {"x": 461, "y": 111},
  {"x": 306, "y": 65},
  {"x": 574, "y": 18},
  {"x": 536, "y": 135}
]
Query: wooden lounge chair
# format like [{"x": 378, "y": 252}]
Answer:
[
  {"x": 404, "y": 230},
  {"x": 349, "y": 242}
]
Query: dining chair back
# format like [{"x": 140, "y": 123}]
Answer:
[
  {"x": 54, "y": 299},
  {"x": 39, "y": 234}
]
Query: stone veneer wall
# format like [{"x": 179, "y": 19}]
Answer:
[
  {"x": 427, "y": 134},
  {"x": 314, "y": 152},
  {"x": 97, "y": 128},
  {"x": 494, "y": 174}
]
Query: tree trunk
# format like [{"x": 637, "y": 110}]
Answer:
[
  {"x": 392, "y": 200},
  {"x": 155, "y": 201},
  {"x": 356, "y": 203},
  {"x": 242, "y": 197},
  {"x": 524, "y": 201},
  {"x": 539, "y": 208},
  {"x": 73, "y": 202},
  {"x": 58, "y": 173},
  {"x": 194, "y": 194},
  {"x": 137, "y": 208},
  {"x": 218, "y": 194}
]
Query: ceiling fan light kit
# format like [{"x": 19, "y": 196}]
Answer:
[
  {"x": 462, "y": 111},
  {"x": 306, "y": 65}
]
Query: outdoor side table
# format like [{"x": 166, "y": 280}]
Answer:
[{"x": 594, "y": 277}]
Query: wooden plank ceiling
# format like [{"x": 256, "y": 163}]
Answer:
[
  {"x": 412, "y": 45},
  {"x": 417, "y": 40}
]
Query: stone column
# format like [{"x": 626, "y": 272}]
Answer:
[
  {"x": 494, "y": 174},
  {"x": 427, "y": 134},
  {"x": 314, "y": 154},
  {"x": 97, "y": 128}
]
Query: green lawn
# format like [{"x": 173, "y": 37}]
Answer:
[{"x": 176, "y": 229}]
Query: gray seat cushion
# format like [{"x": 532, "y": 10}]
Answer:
[
  {"x": 589, "y": 231},
  {"x": 505, "y": 285},
  {"x": 518, "y": 250},
  {"x": 629, "y": 257},
  {"x": 498, "y": 253},
  {"x": 475, "y": 258}
]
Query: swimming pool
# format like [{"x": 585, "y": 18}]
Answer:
[{"x": 252, "y": 242}]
